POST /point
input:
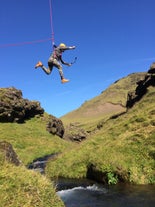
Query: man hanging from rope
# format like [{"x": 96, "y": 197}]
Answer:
[{"x": 55, "y": 60}]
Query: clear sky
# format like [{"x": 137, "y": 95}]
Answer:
[{"x": 113, "y": 38}]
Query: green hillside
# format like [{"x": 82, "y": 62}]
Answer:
[
  {"x": 109, "y": 102},
  {"x": 123, "y": 149}
]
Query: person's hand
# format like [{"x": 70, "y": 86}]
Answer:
[
  {"x": 72, "y": 47},
  {"x": 69, "y": 64}
]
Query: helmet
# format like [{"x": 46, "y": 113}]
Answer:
[{"x": 62, "y": 45}]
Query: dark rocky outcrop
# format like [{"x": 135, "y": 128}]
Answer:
[
  {"x": 8, "y": 154},
  {"x": 55, "y": 126},
  {"x": 102, "y": 177},
  {"x": 13, "y": 108},
  {"x": 95, "y": 174},
  {"x": 74, "y": 132},
  {"x": 142, "y": 85}
]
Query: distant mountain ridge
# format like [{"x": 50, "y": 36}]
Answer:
[
  {"x": 115, "y": 99},
  {"x": 111, "y": 101}
]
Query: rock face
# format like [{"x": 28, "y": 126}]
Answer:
[
  {"x": 75, "y": 133},
  {"x": 55, "y": 126},
  {"x": 13, "y": 108},
  {"x": 142, "y": 85},
  {"x": 8, "y": 154},
  {"x": 94, "y": 174}
]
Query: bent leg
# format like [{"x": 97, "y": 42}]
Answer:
[{"x": 47, "y": 70}]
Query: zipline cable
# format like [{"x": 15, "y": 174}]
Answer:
[
  {"x": 51, "y": 22},
  {"x": 25, "y": 43},
  {"x": 35, "y": 41}
]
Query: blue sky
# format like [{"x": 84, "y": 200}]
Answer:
[{"x": 113, "y": 38}]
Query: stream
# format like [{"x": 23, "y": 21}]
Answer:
[
  {"x": 87, "y": 193},
  {"x": 84, "y": 193}
]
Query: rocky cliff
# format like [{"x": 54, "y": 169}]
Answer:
[
  {"x": 13, "y": 108},
  {"x": 142, "y": 85}
]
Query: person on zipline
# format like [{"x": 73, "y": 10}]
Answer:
[{"x": 55, "y": 60}]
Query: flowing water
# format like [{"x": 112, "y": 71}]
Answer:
[{"x": 84, "y": 194}]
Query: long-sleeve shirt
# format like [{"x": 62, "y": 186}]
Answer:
[{"x": 57, "y": 53}]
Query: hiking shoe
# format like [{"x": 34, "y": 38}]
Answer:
[
  {"x": 64, "y": 80},
  {"x": 39, "y": 64}
]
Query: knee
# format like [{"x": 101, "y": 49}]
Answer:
[{"x": 48, "y": 72}]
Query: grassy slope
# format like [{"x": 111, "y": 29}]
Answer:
[
  {"x": 22, "y": 187},
  {"x": 115, "y": 94},
  {"x": 31, "y": 140},
  {"x": 123, "y": 145}
]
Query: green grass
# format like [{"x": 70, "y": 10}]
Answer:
[
  {"x": 125, "y": 146},
  {"x": 115, "y": 94},
  {"x": 31, "y": 140},
  {"x": 22, "y": 187}
]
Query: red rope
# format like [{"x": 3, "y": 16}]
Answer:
[
  {"x": 24, "y": 43},
  {"x": 51, "y": 21},
  {"x": 35, "y": 41}
]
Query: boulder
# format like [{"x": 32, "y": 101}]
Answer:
[
  {"x": 8, "y": 154},
  {"x": 13, "y": 108},
  {"x": 142, "y": 85},
  {"x": 55, "y": 126},
  {"x": 152, "y": 68},
  {"x": 75, "y": 133}
]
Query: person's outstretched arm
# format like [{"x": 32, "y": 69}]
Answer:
[
  {"x": 69, "y": 48},
  {"x": 65, "y": 63}
]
